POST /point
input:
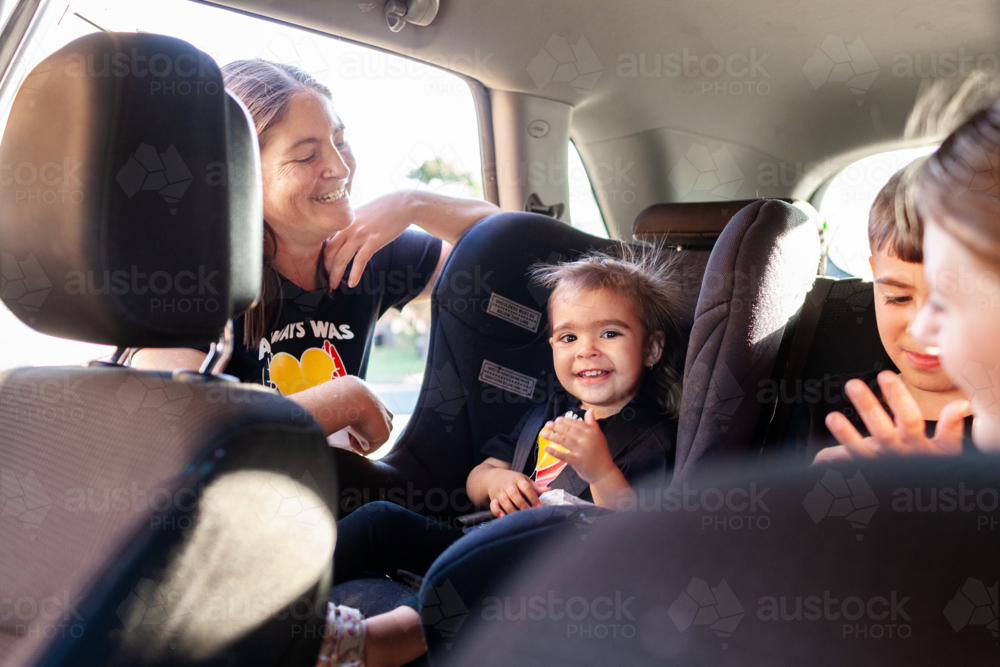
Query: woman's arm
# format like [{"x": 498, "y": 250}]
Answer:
[
  {"x": 167, "y": 359},
  {"x": 348, "y": 401},
  {"x": 380, "y": 222},
  {"x": 336, "y": 404}
]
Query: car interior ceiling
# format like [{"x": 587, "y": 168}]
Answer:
[
  {"x": 652, "y": 120},
  {"x": 775, "y": 326}
]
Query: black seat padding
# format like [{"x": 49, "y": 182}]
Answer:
[
  {"x": 836, "y": 339},
  {"x": 474, "y": 350},
  {"x": 759, "y": 272},
  {"x": 846, "y": 565},
  {"x": 169, "y": 519}
]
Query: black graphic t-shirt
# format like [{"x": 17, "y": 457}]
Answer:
[{"x": 317, "y": 336}]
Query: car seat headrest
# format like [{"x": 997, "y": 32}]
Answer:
[
  {"x": 130, "y": 197},
  {"x": 695, "y": 226}
]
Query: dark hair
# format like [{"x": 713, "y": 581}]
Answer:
[
  {"x": 893, "y": 224},
  {"x": 958, "y": 185},
  {"x": 266, "y": 89},
  {"x": 649, "y": 279}
]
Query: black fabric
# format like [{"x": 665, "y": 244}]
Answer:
[
  {"x": 757, "y": 277},
  {"x": 231, "y": 495},
  {"x": 906, "y": 548},
  {"x": 475, "y": 568},
  {"x": 135, "y": 215},
  {"x": 842, "y": 343},
  {"x": 456, "y": 412},
  {"x": 339, "y": 325},
  {"x": 382, "y": 538},
  {"x": 640, "y": 440}
]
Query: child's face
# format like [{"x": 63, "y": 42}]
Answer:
[
  {"x": 900, "y": 293},
  {"x": 962, "y": 319},
  {"x": 599, "y": 348}
]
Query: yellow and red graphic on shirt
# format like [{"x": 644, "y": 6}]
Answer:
[
  {"x": 316, "y": 366},
  {"x": 548, "y": 467}
]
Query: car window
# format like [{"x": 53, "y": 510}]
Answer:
[
  {"x": 411, "y": 126},
  {"x": 585, "y": 213},
  {"x": 845, "y": 204}
]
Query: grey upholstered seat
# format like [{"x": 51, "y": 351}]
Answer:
[{"x": 147, "y": 519}]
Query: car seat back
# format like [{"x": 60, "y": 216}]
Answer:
[
  {"x": 147, "y": 518},
  {"x": 844, "y": 565},
  {"x": 756, "y": 279},
  {"x": 836, "y": 339}
]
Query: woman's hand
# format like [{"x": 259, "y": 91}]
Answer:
[
  {"x": 368, "y": 415},
  {"x": 907, "y": 435},
  {"x": 511, "y": 491},
  {"x": 583, "y": 446},
  {"x": 348, "y": 401},
  {"x": 375, "y": 225},
  {"x": 381, "y": 221}
]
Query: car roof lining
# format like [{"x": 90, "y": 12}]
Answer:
[{"x": 810, "y": 131}]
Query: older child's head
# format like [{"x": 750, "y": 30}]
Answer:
[
  {"x": 613, "y": 318},
  {"x": 959, "y": 198},
  {"x": 895, "y": 236}
]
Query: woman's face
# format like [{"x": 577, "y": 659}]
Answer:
[
  {"x": 961, "y": 318},
  {"x": 306, "y": 168}
]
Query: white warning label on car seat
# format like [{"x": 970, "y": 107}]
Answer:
[
  {"x": 506, "y": 379},
  {"x": 513, "y": 312}
]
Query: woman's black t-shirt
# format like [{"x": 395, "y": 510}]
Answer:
[{"x": 315, "y": 336}]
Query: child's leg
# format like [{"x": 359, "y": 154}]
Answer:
[
  {"x": 381, "y": 538},
  {"x": 391, "y": 639}
]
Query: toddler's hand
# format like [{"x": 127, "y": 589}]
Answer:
[
  {"x": 582, "y": 444},
  {"x": 511, "y": 491}
]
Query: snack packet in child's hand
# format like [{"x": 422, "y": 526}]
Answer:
[{"x": 560, "y": 497}]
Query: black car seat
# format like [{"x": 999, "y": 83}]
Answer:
[
  {"x": 836, "y": 339},
  {"x": 488, "y": 362},
  {"x": 147, "y": 518},
  {"x": 757, "y": 277},
  {"x": 868, "y": 565}
]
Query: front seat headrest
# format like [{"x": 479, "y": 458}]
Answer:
[{"x": 130, "y": 195}]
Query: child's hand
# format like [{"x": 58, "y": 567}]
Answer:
[
  {"x": 584, "y": 446},
  {"x": 904, "y": 436},
  {"x": 511, "y": 491}
]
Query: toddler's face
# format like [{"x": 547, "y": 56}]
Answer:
[
  {"x": 900, "y": 293},
  {"x": 599, "y": 348}
]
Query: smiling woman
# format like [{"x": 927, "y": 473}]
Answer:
[
  {"x": 309, "y": 335},
  {"x": 369, "y": 88}
]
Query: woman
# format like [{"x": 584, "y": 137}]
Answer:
[
  {"x": 310, "y": 343},
  {"x": 958, "y": 198}
]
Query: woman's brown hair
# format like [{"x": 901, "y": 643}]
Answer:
[{"x": 266, "y": 89}]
